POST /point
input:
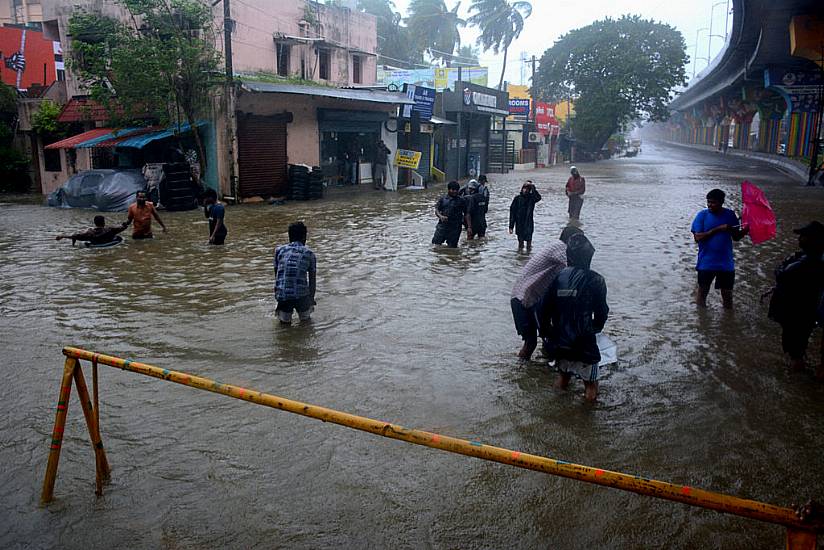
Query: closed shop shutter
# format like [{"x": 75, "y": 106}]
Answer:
[
  {"x": 262, "y": 156},
  {"x": 424, "y": 146}
]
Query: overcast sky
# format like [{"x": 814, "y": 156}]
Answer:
[{"x": 552, "y": 18}]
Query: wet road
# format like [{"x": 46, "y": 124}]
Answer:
[{"x": 405, "y": 334}]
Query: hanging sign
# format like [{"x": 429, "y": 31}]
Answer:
[
  {"x": 424, "y": 99},
  {"x": 404, "y": 158}
]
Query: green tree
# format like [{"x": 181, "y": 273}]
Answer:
[
  {"x": 435, "y": 27},
  {"x": 13, "y": 164},
  {"x": 468, "y": 55},
  {"x": 500, "y": 23},
  {"x": 160, "y": 65},
  {"x": 394, "y": 40},
  {"x": 617, "y": 70},
  {"x": 44, "y": 120}
]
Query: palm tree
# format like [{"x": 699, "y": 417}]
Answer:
[
  {"x": 435, "y": 27},
  {"x": 500, "y": 22}
]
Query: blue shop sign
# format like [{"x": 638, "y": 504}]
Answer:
[
  {"x": 519, "y": 107},
  {"x": 424, "y": 99}
]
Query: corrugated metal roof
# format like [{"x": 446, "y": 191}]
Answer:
[
  {"x": 373, "y": 96},
  {"x": 80, "y": 109},
  {"x": 70, "y": 142},
  {"x": 124, "y": 136},
  {"x": 113, "y": 134},
  {"x": 140, "y": 141}
]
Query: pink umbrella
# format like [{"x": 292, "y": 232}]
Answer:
[{"x": 757, "y": 213}]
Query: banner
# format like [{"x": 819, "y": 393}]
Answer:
[
  {"x": 438, "y": 78},
  {"x": 424, "y": 99},
  {"x": 404, "y": 158},
  {"x": 519, "y": 107}
]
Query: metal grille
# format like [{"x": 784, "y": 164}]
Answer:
[{"x": 262, "y": 156}]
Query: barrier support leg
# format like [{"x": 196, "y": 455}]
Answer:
[
  {"x": 801, "y": 539},
  {"x": 57, "y": 433},
  {"x": 101, "y": 464}
]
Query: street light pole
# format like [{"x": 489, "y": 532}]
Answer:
[
  {"x": 695, "y": 57},
  {"x": 709, "y": 38}
]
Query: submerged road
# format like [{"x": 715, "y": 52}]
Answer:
[{"x": 415, "y": 336}]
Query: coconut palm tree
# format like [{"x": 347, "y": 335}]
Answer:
[
  {"x": 435, "y": 27},
  {"x": 500, "y": 22}
]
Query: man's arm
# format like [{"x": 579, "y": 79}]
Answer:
[
  {"x": 537, "y": 195},
  {"x": 157, "y": 217},
  {"x": 122, "y": 227},
  {"x": 218, "y": 225},
  {"x": 738, "y": 232},
  {"x": 701, "y": 235},
  {"x": 600, "y": 309},
  {"x": 441, "y": 216},
  {"x": 312, "y": 284},
  {"x": 82, "y": 236}
]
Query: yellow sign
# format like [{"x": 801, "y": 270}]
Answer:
[{"x": 405, "y": 158}]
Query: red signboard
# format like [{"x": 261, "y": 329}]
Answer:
[
  {"x": 545, "y": 119},
  {"x": 26, "y": 58}
]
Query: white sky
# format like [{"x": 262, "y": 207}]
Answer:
[{"x": 552, "y": 18}]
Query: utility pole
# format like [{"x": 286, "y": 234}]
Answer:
[
  {"x": 532, "y": 93},
  {"x": 229, "y": 94}
]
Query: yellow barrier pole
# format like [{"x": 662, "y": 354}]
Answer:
[
  {"x": 636, "y": 484},
  {"x": 101, "y": 464},
  {"x": 57, "y": 433}
]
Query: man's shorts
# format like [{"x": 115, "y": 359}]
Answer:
[
  {"x": 304, "y": 306},
  {"x": 724, "y": 280},
  {"x": 447, "y": 233},
  {"x": 584, "y": 371},
  {"x": 525, "y": 322}
]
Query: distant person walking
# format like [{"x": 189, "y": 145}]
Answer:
[
  {"x": 483, "y": 189},
  {"x": 797, "y": 302},
  {"x": 531, "y": 287},
  {"x": 714, "y": 229},
  {"x": 521, "y": 214},
  {"x": 141, "y": 213},
  {"x": 295, "y": 276},
  {"x": 379, "y": 171},
  {"x": 576, "y": 186},
  {"x": 573, "y": 312},
  {"x": 99, "y": 235},
  {"x": 216, "y": 213},
  {"x": 451, "y": 211},
  {"x": 476, "y": 210}
]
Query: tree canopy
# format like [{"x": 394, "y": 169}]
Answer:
[
  {"x": 615, "y": 70},
  {"x": 160, "y": 67},
  {"x": 500, "y": 23},
  {"x": 395, "y": 41},
  {"x": 435, "y": 27}
]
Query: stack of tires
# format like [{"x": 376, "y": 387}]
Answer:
[
  {"x": 316, "y": 183},
  {"x": 298, "y": 182}
]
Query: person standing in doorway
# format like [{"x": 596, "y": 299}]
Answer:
[
  {"x": 141, "y": 213},
  {"x": 295, "y": 276},
  {"x": 521, "y": 213},
  {"x": 379, "y": 166},
  {"x": 714, "y": 229},
  {"x": 576, "y": 186},
  {"x": 216, "y": 213}
]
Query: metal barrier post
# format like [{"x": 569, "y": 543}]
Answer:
[{"x": 57, "y": 433}]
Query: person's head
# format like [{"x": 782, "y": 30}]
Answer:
[
  {"x": 452, "y": 188},
  {"x": 715, "y": 200},
  {"x": 99, "y": 221},
  {"x": 527, "y": 188},
  {"x": 209, "y": 197},
  {"x": 297, "y": 232},
  {"x": 472, "y": 186},
  {"x": 574, "y": 171},
  {"x": 579, "y": 251},
  {"x": 140, "y": 196},
  {"x": 568, "y": 232},
  {"x": 811, "y": 238},
  {"x": 482, "y": 179}
]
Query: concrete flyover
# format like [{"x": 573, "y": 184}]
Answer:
[{"x": 762, "y": 92}]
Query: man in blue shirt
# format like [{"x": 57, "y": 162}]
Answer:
[
  {"x": 295, "y": 273},
  {"x": 714, "y": 229},
  {"x": 216, "y": 213}
]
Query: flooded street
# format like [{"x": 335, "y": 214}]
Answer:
[{"x": 406, "y": 334}]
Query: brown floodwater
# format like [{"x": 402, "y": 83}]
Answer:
[{"x": 411, "y": 335}]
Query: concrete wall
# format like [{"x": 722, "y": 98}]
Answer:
[{"x": 26, "y": 12}]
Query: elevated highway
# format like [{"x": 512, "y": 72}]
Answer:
[{"x": 763, "y": 91}]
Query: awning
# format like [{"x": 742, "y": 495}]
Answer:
[
  {"x": 438, "y": 120},
  {"x": 144, "y": 138},
  {"x": 112, "y": 136},
  {"x": 73, "y": 141},
  {"x": 372, "y": 96},
  {"x": 123, "y": 135}
]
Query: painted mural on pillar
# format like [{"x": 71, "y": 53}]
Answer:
[
  {"x": 770, "y": 104},
  {"x": 800, "y": 88},
  {"x": 27, "y": 58}
]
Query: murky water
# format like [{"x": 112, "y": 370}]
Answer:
[{"x": 410, "y": 335}]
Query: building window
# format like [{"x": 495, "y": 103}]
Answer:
[
  {"x": 324, "y": 62},
  {"x": 51, "y": 160},
  {"x": 283, "y": 52},
  {"x": 356, "y": 69}
]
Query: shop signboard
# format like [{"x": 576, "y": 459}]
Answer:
[
  {"x": 469, "y": 98},
  {"x": 519, "y": 107},
  {"x": 424, "y": 99},
  {"x": 404, "y": 158},
  {"x": 438, "y": 78},
  {"x": 545, "y": 117}
]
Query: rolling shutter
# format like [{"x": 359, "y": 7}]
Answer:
[{"x": 262, "y": 155}]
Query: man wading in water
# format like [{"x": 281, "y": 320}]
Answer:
[
  {"x": 99, "y": 234},
  {"x": 141, "y": 213},
  {"x": 576, "y": 186},
  {"x": 452, "y": 212}
]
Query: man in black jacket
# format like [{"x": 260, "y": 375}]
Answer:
[{"x": 574, "y": 311}]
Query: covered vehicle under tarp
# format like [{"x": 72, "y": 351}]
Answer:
[{"x": 104, "y": 190}]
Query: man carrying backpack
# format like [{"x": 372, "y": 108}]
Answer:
[
  {"x": 574, "y": 311},
  {"x": 796, "y": 301}
]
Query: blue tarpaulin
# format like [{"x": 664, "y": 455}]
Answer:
[{"x": 138, "y": 142}]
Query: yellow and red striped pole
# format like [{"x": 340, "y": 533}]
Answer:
[
  {"x": 57, "y": 433},
  {"x": 800, "y": 530}
]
